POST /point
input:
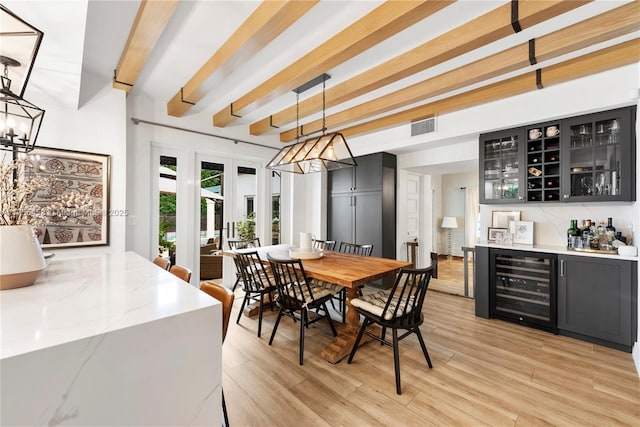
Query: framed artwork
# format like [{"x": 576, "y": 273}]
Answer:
[
  {"x": 497, "y": 235},
  {"x": 523, "y": 232},
  {"x": 501, "y": 219},
  {"x": 72, "y": 172}
]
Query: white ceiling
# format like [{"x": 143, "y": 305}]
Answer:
[{"x": 83, "y": 42}]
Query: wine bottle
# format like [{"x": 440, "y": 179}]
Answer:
[
  {"x": 572, "y": 233},
  {"x": 610, "y": 225},
  {"x": 601, "y": 232},
  {"x": 611, "y": 230}
]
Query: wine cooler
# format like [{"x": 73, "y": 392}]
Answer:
[{"x": 523, "y": 288}]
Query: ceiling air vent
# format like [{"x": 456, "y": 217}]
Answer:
[{"x": 423, "y": 126}]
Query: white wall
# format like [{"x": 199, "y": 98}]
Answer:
[{"x": 97, "y": 127}]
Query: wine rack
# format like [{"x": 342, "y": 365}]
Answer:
[
  {"x": 523, "y": 288},
  {"x": 543, "y": 163}
]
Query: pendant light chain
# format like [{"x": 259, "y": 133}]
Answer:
[
  {"x": 324, "y": 118},
  {"x": 297, "y": 116}
]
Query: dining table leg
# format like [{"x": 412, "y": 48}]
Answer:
[{"x": 341, "y": 345}]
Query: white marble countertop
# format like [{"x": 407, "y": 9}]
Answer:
[
  {"x": 81, "y": 297},
  {"x": 561, "y": 250}
]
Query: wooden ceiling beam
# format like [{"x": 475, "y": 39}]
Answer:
[
  {"x": 268, "y": 21},
  {"x": 606, "y": 26},
  {"x": 151, "y": 19},
  {"x": 383, "y": 22},
  {"x": 481, "y": 31},
  {"x": 602, "y": 60}
]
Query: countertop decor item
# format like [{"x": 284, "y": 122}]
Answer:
[{"x": 22, "y": 259}]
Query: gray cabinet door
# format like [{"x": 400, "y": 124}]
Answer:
[
  {"x": 596, "y": 299},
  {"x": 341, "y": 218},
  {"x": 368, "y": 220},
  {"x": 341, "y": 180},
  {"x": 481, "y": 281}
]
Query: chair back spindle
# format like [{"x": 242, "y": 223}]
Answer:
[
  {"x": 244, "y": 244},
  {"x": 327, "y": 245},
  {"x": 353, "y": 248}
]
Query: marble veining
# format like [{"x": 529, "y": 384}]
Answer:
[
  {"x": 110, "y": 340},
  {"x": 82, "y": 297}
]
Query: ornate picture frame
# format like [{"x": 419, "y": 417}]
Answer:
[{"x": 76, "y": 172}]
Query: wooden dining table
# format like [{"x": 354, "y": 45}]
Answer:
[{"x": 348, "y": 270}]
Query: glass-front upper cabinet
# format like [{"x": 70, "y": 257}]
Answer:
[
  {"x": 599, "y": 157},
  {"x": 501, "y": 166}
]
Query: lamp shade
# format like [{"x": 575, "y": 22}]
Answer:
[
  {"x": 449, "y": 222},
  {"x": 327, "y": 152}
]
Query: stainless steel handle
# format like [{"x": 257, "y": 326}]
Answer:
[
  {"x": 227, "y": 230},
  {"x": 561, "y": 268},
  {"x": 233, "y": 229}
]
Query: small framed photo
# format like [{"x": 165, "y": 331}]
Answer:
[
  {"x": 497, "y": 235},
  {"x": 523, "y": 232},
  {"x": 501, "y": 219}
]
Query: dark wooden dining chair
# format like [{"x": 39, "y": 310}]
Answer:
[
  {"x": 398, "y": 308},
  {"x": 327, "y": 245},
  {"x": 353, "y": 248},
  {"x": 257, "y": 281},
  {"x": 226, "y": 297},
  {"x": 242, "y": 244},
  {"x": 298, "y": 294},
  {"x": 182, "y": 272},
  {"x": 350, "y": 248},
  {"x": 162, "y": 262}
]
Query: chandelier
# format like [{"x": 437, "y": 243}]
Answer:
[
  {"x": 326, "y": 152},
  {"x": 20, "y": 120}
]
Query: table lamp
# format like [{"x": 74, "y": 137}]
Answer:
[{"x": 449, "y": 222}]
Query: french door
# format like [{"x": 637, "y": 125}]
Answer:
[
  {"x": 202, "y": 199},
  {"x": 229, "y": 200}
]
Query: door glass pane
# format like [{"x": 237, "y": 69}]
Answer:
[
  {"x": 275, "y": 207},
  {"x": 211, "y": 205},
  {"x": 501, "y": 168},
  {"x": 167, "y": 223},
  {"x": 244, "y": 204}
]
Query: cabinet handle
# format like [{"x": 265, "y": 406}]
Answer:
[
  {"x": 353, "y": 200},
  {"x": 227, "y": 230},
  {"x": 561, "y": 268},
  {"x": 566, "y": 196},
  {"x": 233, "y": 229}
]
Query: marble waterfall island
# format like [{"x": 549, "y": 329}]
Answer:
[{"x": 110, "y": 339}]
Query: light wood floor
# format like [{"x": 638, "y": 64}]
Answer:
[
  {"x": 485, "y": 372},
  {"x": 451, "y": 276}
]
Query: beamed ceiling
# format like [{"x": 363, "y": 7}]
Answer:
[{"x": 235, "y": 63}]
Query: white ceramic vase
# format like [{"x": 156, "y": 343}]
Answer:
[{"x": 21, "y": 259}]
